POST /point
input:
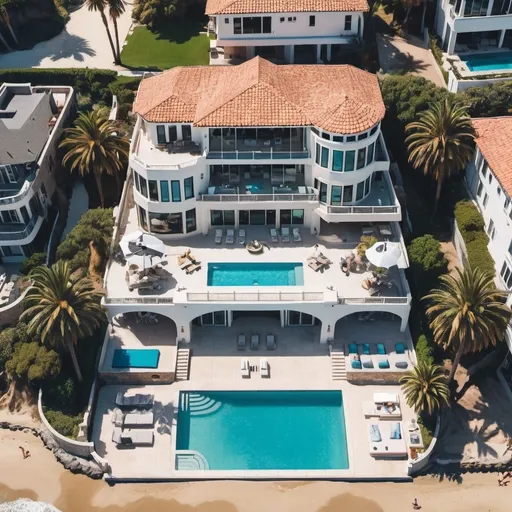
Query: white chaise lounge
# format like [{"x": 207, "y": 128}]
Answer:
[
  {"x": 245, "y": 368},
  {"x": 130, "y": 437},
  {"x": 230, "y": 236},
  {"x": 138, "y": 400},
  {"x": 264, "y": 368},
  {"x": 132, "y": 419},
  {"x": 387, "y": 440},
  {"x": 240, "y": 342},
  {"x": 218, "y": 236}
]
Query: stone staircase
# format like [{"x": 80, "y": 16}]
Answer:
[
  {"x": 338, "y": 368},
  {"x": 182, "y": 363}
]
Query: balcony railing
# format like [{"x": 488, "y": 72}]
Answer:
[
  {"x": 165, "y": 167},
  {"x": 257, "y": 155},
  {"x": 139, "y": 300},
  {"x": 25, "y": 189},
  {"x": 374, "y": 300},
  {"x": 255, "y": 297},
  {"x": 360, "y": 209},
  {"x": 17, "y": 231},
  {"x": 227, "y": 198}
]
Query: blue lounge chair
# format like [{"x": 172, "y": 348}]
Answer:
[
  {"x": 381, "y": 349},
  {"x": 365, "y": 349},
  {"x": 396, "y": 432},
  {"x": 384, "y": 364},
  {"x": 400, "y": 348},
  {"x": 356, "y": 364},
  {"x": 375, "y": 435},
  {"x": 352, "y": 348}
]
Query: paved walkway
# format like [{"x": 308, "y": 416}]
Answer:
[
  {"x": 78, "y": 205},
  {"x": 410, "y": 55},
  {"x": 82, "y": 43}
]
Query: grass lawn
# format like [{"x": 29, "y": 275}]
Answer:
[{"x": 172, "y": 46}]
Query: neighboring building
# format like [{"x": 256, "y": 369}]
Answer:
[
  {"x": 260, "y": 146},
  {"x": 293, "y": 31},
  {"x": 31, "y": 122}
]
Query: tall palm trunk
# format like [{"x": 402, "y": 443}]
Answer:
[
  {"x": 72, "y": 353},
  {"x": 116, "y": 32},
  {"x": 4, "y": 42},
  {"x": 105, "y": 22},
  {"x": 456, "y": 362},
  {"x": 423, "y": 16},
  {"x": 97, "y": 177},
  {"x": 7, "y": 21},
  {"x": 438, "y": 195}
]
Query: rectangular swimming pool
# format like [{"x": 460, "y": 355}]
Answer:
[
  {"x": 255, "y": 274},
  {"x": 271, "y": 430},
  {"x": 489, "y": 62},
  {"x": 135, "y": 358}
]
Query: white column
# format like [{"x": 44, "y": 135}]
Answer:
[
  {"x": 251, "y": 52},
  {"x": 318, "y": 53},
  {"x": 502, "y": 37},
  {"x": 404, "y": 322},
  {"x": 462, "y": 8},
  {"x": 229, "y": 315},
  {"x": 184, "y": 331},
  {"x": 329, "y": 48},
  {"x": 451, "y": 42},
  {"x": 362, "y": 26},
  {"x": 489, "y": 7},
  {"x": 326, "y": 332},
  {"x": 282, "y": 315}
]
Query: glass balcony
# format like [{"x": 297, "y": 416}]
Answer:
[{"x": 17, "y": 231}]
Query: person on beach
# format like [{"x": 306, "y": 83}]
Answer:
[
  {"x": 415, "y": 504},
  {"x": 24, "y": 452}
]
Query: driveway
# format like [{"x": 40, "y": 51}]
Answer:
[
  {"x": 82, "y": 43},
  {"x": 409, "y": 55}
]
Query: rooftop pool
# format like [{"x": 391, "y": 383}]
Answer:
[
  {"x": 489, "y": 61},
  {"x": 264, "y": 430},
  {"x": 255, "y": 274}
]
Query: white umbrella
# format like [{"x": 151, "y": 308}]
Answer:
[
  {"x": 384, "y": 254},
  {"x": 142, "y": 249}
]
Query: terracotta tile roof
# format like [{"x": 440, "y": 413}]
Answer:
[
  {"x": 494, "y": 138},
  {"x": 340, "y": 99},
  {"x": 266, "y": 6}
]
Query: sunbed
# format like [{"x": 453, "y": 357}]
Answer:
[
  {"x": 383, "y": 362},
  {"x": 400, "y": 348},
  {"x": 230, "y": 236},
  {"x": 138, "y": 400},
  {"x": 314, "y": 264},
  {"x": 132, "y": 419},
  {"x": 245, "y": 368},
  {"x": 381, "y": 411},
  {"x": 255, "y": 341},
  {"x": 355, "y": 362},
  {"x": 273, "y": 235},
  {"x": 352, "y": 348},
  {"x": 401, "y": 363},
  {"x": 392, "y": 442},
  {"x": 271, "y": 342},
  {"x": 285, "y": 234},
  {"x": 386, "y": 398},
  {"x": 296, "y": 235},
  {"x": 218, "y": 236},
  {"x": 241, "y": 236},
  {"x": 130, "y": 437},
  {"x": 264, "y": 368},
  {"x": 381, "y": 349},
  {"x": 324, "y": 260},
  {"x": 366, "y": 361},
  {"x": 365, "y": 349},
  {"x": 240, "y": 343},
  {"x": 193, "y": 267}
]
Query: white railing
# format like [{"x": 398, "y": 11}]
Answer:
[
  {"x": 255, "y": 296},
  {"x": 361, "y": 209},
  {"x": 374, "y": 300},
  {"x": 165, "y": 167},
  {"x": 261, "y": 154},
  {"x": 226, "y": 198},
  {"x": 139, "y": 300},
  {"x": 25, "y": 189}
]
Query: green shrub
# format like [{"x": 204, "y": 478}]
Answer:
[
  {"x": 60, "y": 393},
  {"x": 427, "y": 262},
  {"x": 52, "y": 76},
  {"x": 468, "y": 217},
  {"x": 36, "y": 260},
  {"x": 424, "y": 350},
  {"x": 9, "y": 338},
  {"x": 33, "y": 362},
  {"x": 64, "y": 424},
  {"x": 478, "y": 254}
]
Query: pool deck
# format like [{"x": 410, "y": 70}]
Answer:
[{"x": 298, "y": 363}]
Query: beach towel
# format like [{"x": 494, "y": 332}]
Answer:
[
  {"x": 395, "y": 431},
  {"x": 375, "y": 434},
  {"x": 400, "y": 348},
  {"x": 365, "y": 347},
  {"x": 381, "y": 349}
]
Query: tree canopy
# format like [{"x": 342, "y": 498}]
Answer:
[{"x": 33, "y": 362}]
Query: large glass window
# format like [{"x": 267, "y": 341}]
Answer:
[
  {"x": 143, "y": 221},
  {"x": 369, "y": 156},
  {"x": 243, "y": 217},
  {"x": 360, "y": 191},
  {"x": 257, "y": 217},
  {"x": 367, "y": 185},
  {"x": 323, "y": 192},
  {"x": 325, "y": 157},
  {"x": 186, "y": 132},
  {"x": 361, "y": 158},
  {"x": 285, "y": 217},
  {"x": 337, "y": 160},
  {"x": 10, "y": 216},
  {"x": 189, "y": 188},
  {"x": 166, "y": 223},
  {"x": 350, "y": 161},
  {"x": 237, "y": 25},
  {"x": 271, "y": 217},
  {"x": 336, "y": 195},
  {"x": 317, "y": 154},
  {"x": 160, "y": 134},
  {"x": 348, "y": 22},
  {"x": 347, "y": 194},
  {"x": 153, "y": 190},
  {"x": 222, "y": 217},
  {"x": 175, "y": 191},
  {"x": 251, "y": 25},
  {"x": 267, "y": 24},
  {"x": 298, "y": 217},
  {"x": 143, "y": 187},
  {"x": 24, "y": 214},
  {"x": 190, "y": 220},
  {"x": 164, "y": 191},
  {"x": 173, "y": 133},
  {"x": 136, "y": 181},
  {"x": 506, "y": 275}
]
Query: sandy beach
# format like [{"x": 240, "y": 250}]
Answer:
[{"x": 40, "y": 477}]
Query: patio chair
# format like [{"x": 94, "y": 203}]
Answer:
[
  {"x": 352, "y": 348},
  {"x": 193, "y": 267},
  {"x": 400, "y": 348},
  {"x": 138, "y": 400},
  {"x": 132, "y": 437},
  {"x": 230, "y": 236},
  {"x": 314, "y": 264},
  {"x": 285, "y": 234},
  {"x": 324, "y": 260},
  {"x": 245, "y": 368},
  {"x": 271, "y": 342},
  {"x": 273, "y": 235},
  {"x": 241, "y": 236},
  {"x": 240, "y": 342},
  {"x": 133, "y": 419},
  {"x": 365, "y": 349},
  {"x": 264, "y": 368},
  {"x": 296, "y": 235},
  {"x": 218, "y": 236},
  {"x": 381, "y": 349},
  {"x": 255, "y": 341}
]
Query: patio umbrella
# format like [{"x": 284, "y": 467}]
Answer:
[
  {"x": 142, "y": 249},
  {"x": 384, "y": 254}
]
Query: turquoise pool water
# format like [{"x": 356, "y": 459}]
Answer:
[
  {"x": 489, "y": 62},
  {"x": 264, "y": 429},
  {"x": 255, "y": 274},
  {"x": 135, "y": 358}
]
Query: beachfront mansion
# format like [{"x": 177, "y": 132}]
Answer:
[{"x": 224, "y": 155}]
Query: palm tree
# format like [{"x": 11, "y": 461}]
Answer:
[
  {"x": 95, "y": 147},
  {"x": 100, "y": 5},
  {"x": 467, "y": 313},
  {"x": 5, "y": 43},
  {"x": 440, "y": 142},
  {"x": 7, "y": 21},
  {"x": 115, "y": 9},
  {"x": 61, "y": 308},
  {"x": 425, "y": 388}
]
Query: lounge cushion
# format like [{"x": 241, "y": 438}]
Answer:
[
  {"x": 365, "y": 349},
  {"x": 381, "y": 349},
  {"x": 356, "y": 364},
  {"x": 352, "y": 348},
  {"x": 402, "y": 365},
  {"x": 400, "y": 348},
  {"x": 384, "y": 364}
]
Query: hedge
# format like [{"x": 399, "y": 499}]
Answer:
[
  {"x": 424, "y": 350},
  {"x": 472, "y": 228},
  {"x": 38, "y": 76}
]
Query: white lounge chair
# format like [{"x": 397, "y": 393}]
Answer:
[
  {"x": 264, "y": 368},
  {"x": 218, "y": 236},
  {"x": 385, "y": 398},
  {"x": 273, "y": 235},
  {"x": 241, "y": 236},
  {"x": 245, "y": 368},
  {"x": 255, "y": 341},
  {"x": 271, "y": 342},
  {"x": 296, "y": 235},
  {"x": 230, "y": 236},
  {"x": 381, "y": 411},
  {"x": 387, "y": 440},
  {"x": 240, "y": 343},
  {"x": 138, "y": 400},
  {"x": 285, "y": 234},
  {"x": 133, "y": 419},
  {"x": 132, "y": 437}
]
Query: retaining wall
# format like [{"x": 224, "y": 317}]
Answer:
[
  {"x": 417, "y": 465},
  {"x": 460, "y": 245}
]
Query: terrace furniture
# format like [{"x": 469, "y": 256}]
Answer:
[
  {"x": 218, "y": 236},
  {"x": 355, "y": 361},
  {"x": 381, "y": 349},
  {"x": 314, "y": 264},
  {"x": 245, "y": 368},
  {"x": 234, "y": 177},
  {"x": 273, "y": 235},
  {"x": 255, "y": 341},
  {"x": 192, "y": 267},
  {"x": 132, "y": 419},
  {"x": 230, "y": 236},
  {"x": 240, "y": 342},
  {"x": 383, "y": 362},
  {"x": 184, "y": 146},
  {"x": 381, "y": 411},
  {"x": 385, "y": 230},
  {"x": 241, "y": 236},
  {"x": 271, "y": 342},
  {"x": 400, "y": 348},
  {"x": 366, "y": 361},
  {"x": 324, "y": 260},
  {"x": 367, "y": 229},
  {"x": 285, "y": 234},
  {"x": 365, "y": 349},
  {"x": 264, "y": 368},
  {"x": 132, "y": 437},
  {"x": 182, "y": 259},
  {"x": 296, "y": 235},
  {"x": 401, "y": 364},
  {"x": 386, "y": 398},
  {"x": 352, "y": 348},
  {"x": 386, "y": 440},
  {"x": 138, "y": 400}
]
